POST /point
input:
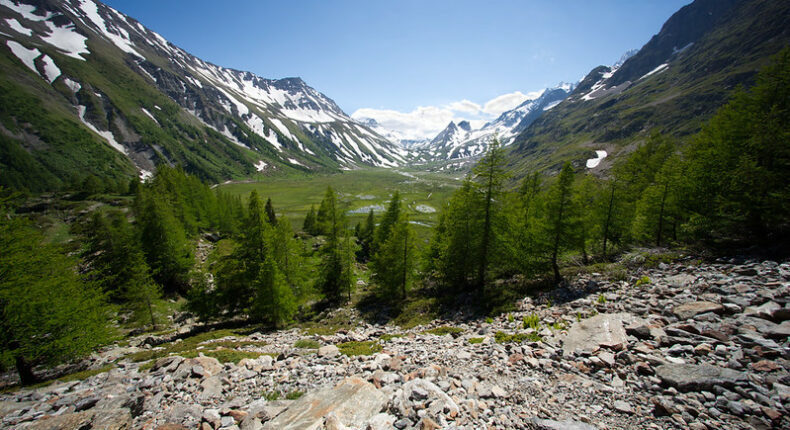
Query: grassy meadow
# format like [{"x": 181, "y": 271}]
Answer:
[{"x": 359, "y": 191}]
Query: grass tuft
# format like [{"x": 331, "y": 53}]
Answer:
[{"x": 359, "y": 348}]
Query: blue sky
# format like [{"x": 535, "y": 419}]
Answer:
[{"x": 402, "y": 55}]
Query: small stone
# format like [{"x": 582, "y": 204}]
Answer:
[
  {"x": 703, "y": 349},
  {"x": 429, "y": 424},
  {"x": 607, "y": 358},
  {"x": 328, "y": 351},
  {"x": 623, "y": 407},
  {"x": 497, "y": 391}
]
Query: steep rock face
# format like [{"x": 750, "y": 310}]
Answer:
[
  {"x": 84, "y": 63},
  {"x": 673, "y": 84}
]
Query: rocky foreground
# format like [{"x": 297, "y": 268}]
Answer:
[{"x": 679, "y": 346}]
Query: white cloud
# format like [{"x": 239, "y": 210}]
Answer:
[
  {"x": 425, "y": 122},
  {"x": 464, "y": 106},
  {"x": 506, "y": 102}
]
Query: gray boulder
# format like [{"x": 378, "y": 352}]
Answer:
[
  {"x": 353, "y": 402},
  {"x": 691, "y": 377},
  {"x": 604, "y": 330}
]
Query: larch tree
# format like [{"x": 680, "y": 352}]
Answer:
[
  {"x": 47, "y": 313},
  {"x": 489, "y": 174},
  {"x": 559, "y": 215}
]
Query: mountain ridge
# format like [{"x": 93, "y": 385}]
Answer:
[{"x": 115, "y": 77}]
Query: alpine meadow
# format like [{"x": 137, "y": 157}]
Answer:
[{"x": 187, "y": 245}]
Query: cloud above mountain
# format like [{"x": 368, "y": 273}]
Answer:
[{"x": 425, "y": 122}]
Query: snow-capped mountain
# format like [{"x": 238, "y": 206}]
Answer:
[
  {"x": 460, "y": 140},
  {"x": 153, "y": 102}
]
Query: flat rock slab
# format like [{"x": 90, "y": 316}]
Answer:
[
  {"x": 603, "y": 330},
  {"x": 692, "y": 377},
  {"x": 689, "y": 310},
  {"x": 353, "y": 402},
  {"x": 539, "y": 424}
]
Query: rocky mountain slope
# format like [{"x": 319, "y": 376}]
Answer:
[
  {"x": 87, "y": 89},
  {"x": 685, "y": 345},
  {"x": 673, "y": 84}
]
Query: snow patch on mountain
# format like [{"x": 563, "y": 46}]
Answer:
[
  {"x": 107, "y": 135},
  {"x": 25, "y": 55},
  {"x": 19, "y": 28},
  {"x": 51, "y": 70}
]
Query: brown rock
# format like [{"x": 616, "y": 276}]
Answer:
[
  {"x": 429, "y": 424},
  {"x": 515, "y": 358},
  {"x": 171, "y": 427},
  {"x": 689, "y": 310},
  {"x": 64, "y": 422},
  {"x": 772, "y": 414},
  {"x": 238, "y": 415},
  {"x": 765, "y": 366}
]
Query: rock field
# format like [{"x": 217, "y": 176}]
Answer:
[{"x": 680, "y": 346}]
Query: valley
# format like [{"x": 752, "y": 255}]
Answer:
[
  {"x": 423, "y": 193},
  {"x": 187, "y": 245}
]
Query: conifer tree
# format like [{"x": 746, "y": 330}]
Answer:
[
  {"x": 736, "y": 168},
  {"x": 455, "y": 246},
  {"x": 393, "y": 262},
  {"x": 47, "y": 314},
  {"x": 327, "y": 217},
  {"x": 250, "y": 279},
  {"x": 335, "y": 272},
  {"x": 164, "y": 242},
  {"x": 365, "y": 236},
  {"x": 489, "y": 174},
  {"x": 559, "y": 213},
  {"x": 310, "y": 222},
  {"x": 117, "y": 264},
  {"x": 270, "y": 215},
  {"x": 388, "y": 220}
]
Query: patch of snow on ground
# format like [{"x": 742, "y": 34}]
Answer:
[
  {"x": 148, "y": 74},
  {"x": 308, "y": 115},
  {"x": 283, "y": 129},
  {"x": 255, "y": 123},
  {"x": 195, "y": 82},
  {"x": 51, "y": 69},
  {"x": 226, "y": 132},
  {"x": 240, "y": 107},
  {"x": 295, "y": 161},
  {"x": 91, "y": 9},
  {"x": 271, "y": 137},
  {"x": 145, "y": 111},
  {"x": 19, "y": 28},
  {"x": 107, "y": 135},
  {"x": 26, "y": 10},
  {"x": 27, "y": 56},
  {"x": 593, "y": 162},
  {"x": 67, "y": 40},
  {"x": 260, "y": 165},
  {"x": 73, "y": 85},
  {"x": 145, "y": 175},
  {"x": 658, "y": 69}
]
